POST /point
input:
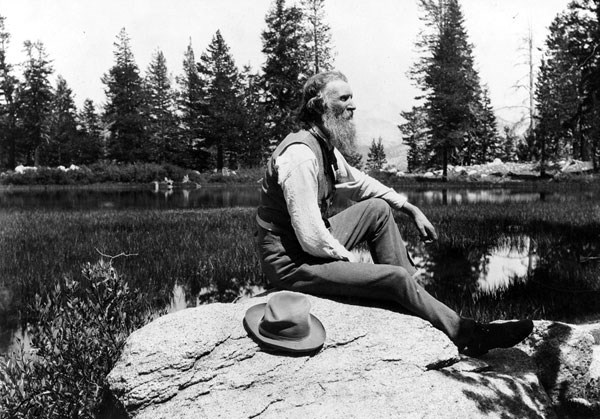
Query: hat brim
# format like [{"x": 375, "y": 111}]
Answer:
[{"x": 313, "y": 341}]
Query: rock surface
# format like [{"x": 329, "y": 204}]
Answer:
[
  {"x": 563, "y": 354},
  {"x": 200, "y": 363}
]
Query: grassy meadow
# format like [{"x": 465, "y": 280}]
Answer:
[
  {"x": 211, "y": 254},
  {"x": 208, "y": 250}
]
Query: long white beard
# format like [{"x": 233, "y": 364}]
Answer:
[{"x": 342, "y": 130}]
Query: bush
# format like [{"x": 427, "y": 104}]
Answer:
[
  {"x": 103, "y": 172},
  {"x": 77, "y": 339}
]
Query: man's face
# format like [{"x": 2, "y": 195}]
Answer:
[
  {"x": 338, "y": 98},
  {"x": 339, "y": 111}
]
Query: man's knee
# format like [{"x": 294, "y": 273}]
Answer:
[
  {"x": 401, "y": 281},
  {"x": 379, "y": 207}
]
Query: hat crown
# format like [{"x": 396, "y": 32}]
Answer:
[{"x": 286, "y": 316}]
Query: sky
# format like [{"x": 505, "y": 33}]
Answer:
[{"x": 374, "y": 41}]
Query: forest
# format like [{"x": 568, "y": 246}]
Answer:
[{"x": 215, "y": 115}]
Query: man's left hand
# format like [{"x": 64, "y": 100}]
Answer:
[{"x": 426, "y": 229}]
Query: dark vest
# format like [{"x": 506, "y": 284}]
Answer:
[{"x": 272, "y": 212}]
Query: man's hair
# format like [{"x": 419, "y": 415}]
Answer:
[{"x": 312, "y": 98}]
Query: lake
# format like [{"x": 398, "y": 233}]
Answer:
[{"x": 502, "y": 253}]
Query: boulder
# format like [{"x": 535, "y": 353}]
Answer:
[
  {"x": 563, "y": 354},
  {"x": 200, "y": 363}
]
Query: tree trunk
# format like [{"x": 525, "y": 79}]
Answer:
[
  {"x": 543, "y": 157},
  {"x": 219, "y": 158},
  {"x": 445, "y": 164}
]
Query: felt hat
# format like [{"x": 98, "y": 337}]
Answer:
[{"x": 285, "y": 323}]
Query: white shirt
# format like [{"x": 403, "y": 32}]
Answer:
[{"x": 297, "y": 169}]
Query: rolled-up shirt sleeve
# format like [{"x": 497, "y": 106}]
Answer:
[
  {"x": 297, "y": 170},
  {"x": 355, "y": 185}
]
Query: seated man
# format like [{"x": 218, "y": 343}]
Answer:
[{"x": 303, "y": 250}]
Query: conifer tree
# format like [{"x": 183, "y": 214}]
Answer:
[
  {"x": 223, "y": 123},
  {"x": 489, "y": 143},
  {"x": 34, "y": 99},
  {"x": 62, "y": 146},
  {"x": 565, "y": 105},
  {"x": 123, "y": 112},
  {"x": 285, "y": 69},
  {"x": 509, "y": 142},
  {"x": 8, "y": 108},
  {"x": 449, "y": 80},
  {"x": 192, "y": 109},
  {"x": 160, "y": 111},
  {"x": 91, "y": 147},
  {"x": 415, "y": 135},
  {"x": 592, "y": 77},
  {"x": 376, "y": 158},
  {"x": 318, "y": 37},
  {"x": 254, "y": 145},
  {"x": 558, "y": 95}
]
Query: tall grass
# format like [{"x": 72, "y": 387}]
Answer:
[
  {"x": 210, "y": 254},
  {"x": 199, "y": 249}
]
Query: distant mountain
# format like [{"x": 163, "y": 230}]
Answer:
[{"x": 372, "y": 128}]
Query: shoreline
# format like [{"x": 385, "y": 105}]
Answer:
[{"x": 433, "y": 184}]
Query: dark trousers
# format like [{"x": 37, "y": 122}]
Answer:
[{"x": 390, "y": 278}]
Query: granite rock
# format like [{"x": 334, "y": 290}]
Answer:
[{"x": 200, "y": 363}]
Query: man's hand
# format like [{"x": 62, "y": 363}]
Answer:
[{"x": 425, "y": 228}]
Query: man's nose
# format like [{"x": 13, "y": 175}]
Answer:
[{"x": 351, "y": 106}]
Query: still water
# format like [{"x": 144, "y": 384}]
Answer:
[
  {"x": 244, "y": 196},
  {"x": 549, "y": 272}
]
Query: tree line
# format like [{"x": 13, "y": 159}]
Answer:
[
  {"x": 568, "y": 87},
  {"x": 212, "y": 115},
  {"x": 454, "y": 122}
]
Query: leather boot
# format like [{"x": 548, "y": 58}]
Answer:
[{"x": 486, "y": 336}]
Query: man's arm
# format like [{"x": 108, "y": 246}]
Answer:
[
  {"x": 297, "y": 170},
  {"x": 357, "y": 186}
]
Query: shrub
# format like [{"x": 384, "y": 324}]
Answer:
[{"x": 77, "y": 338}]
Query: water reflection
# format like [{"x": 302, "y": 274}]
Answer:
[
  {"x": 77, "y": 199},
  {"x": 493, "y": 196},
  {"x": 551, "y": 276},
  {"x": 243, "y": 196},
  {"x": 506, "y": 265},
  {"x": 183, "y": 298}
]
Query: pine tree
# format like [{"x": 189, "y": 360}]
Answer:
[
  {"x": 565, "y": 104},
  {"x": 34, "y": 99},
  {"x": 490, "y": 146},
  {"x": 284, "y": 71},
  {"x": 255, "y": 147},
  {"x": 509, "y": 142},
  {"x": 415, "y": 135},
  {"x": 451, "y": 84},
  {"x": 318, "y": 37},
  {"x": 593, "y": 77},
  {"x": 376, "y": 158},
  {"x": 8, "y": 106},
  {"x": 223, "y": 123},
  {"x": 589, "y": 42},
  {"x": 160, "y": 111},
  {"x": 193, "y": 110},
  {"x": 91, "y": 147},
  {"x": 123, "y": 112},
  {"x": 62, "y": 145}
]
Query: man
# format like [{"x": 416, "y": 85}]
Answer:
[{"x": 303, "y": 250}]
